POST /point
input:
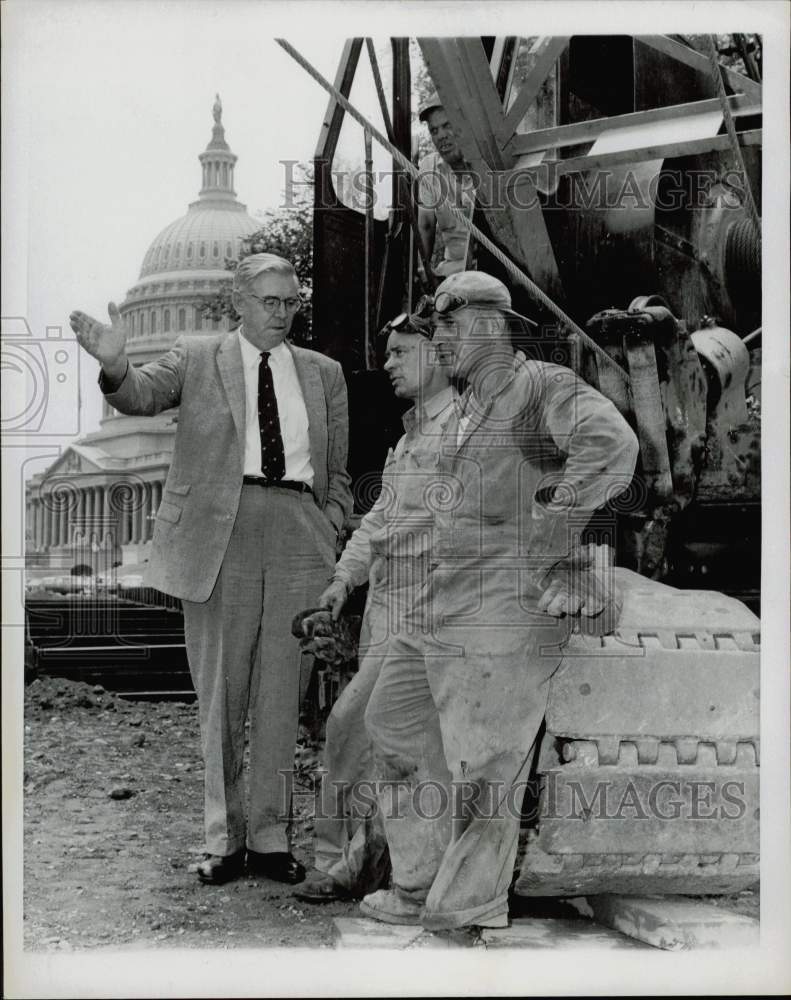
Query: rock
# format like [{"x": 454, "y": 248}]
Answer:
[
  {"x": 45, "y": 703},
  {"x": 136, "y": 720},
  {"x": 97, "y": 689},
  {"x": 121, "y": 792},
  {"x": 139, "y": 740}
]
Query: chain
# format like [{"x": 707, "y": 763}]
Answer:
[{"x": 518, "y": 275}]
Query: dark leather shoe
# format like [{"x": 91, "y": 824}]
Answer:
[
  {"x": 215, "y": 869},
  {"x": 319, "y": 887},
  {"x": 277, "y": 865}
]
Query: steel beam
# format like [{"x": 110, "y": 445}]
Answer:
[
  {"x": 333, "y": 116},
  {"x": 572, "y": 135},
  {"x": 550, "y": 50},
  {"x": 684, "y": 54},
  {"x": 662, "y": 151}
]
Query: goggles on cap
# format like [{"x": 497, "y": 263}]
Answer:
[
  {"x": 448, "y": 302},
  {"x": 444, "y": 303}
]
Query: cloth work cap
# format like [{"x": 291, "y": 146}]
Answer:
[
  {"x": 428, "y": 104},
  {"x": 480, "y": 288}
]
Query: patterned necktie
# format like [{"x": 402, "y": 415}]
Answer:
[{"x": 273, "y": 458}]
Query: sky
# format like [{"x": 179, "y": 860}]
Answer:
[{"x": 109, "y": 106}]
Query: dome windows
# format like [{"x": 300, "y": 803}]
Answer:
[
  {"x": 182, "y": 320},
  {"x": 228, "y": 250},
  {"x": 153, "y": 321},
  {"x": 203, "y": 251},
  {"x": 166, "y": 321},
  {"x": 189, "y": 251},
  {"x": 198, "y": 318},
  {"x": 216, "y": 250}
]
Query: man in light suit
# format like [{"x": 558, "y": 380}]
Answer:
[{"x": 256, "y": 495}]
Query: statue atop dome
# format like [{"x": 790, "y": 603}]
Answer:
[{"x": 217, "y": 141}]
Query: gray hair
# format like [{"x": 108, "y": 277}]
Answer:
[{"x": 261, "y": 263}]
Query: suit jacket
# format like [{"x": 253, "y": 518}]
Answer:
[{"x": 203, "y": 376}]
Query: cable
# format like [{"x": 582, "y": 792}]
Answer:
[{"x": 716, "y": 74}]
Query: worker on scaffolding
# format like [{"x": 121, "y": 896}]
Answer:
[{"x": 445, "y": 179}]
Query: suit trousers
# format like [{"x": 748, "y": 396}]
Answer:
[{"x": 244, "y": 662}]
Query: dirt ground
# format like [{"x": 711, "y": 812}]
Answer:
[
  {"x": 102, "y": 871},
  {"x": 113, "y": 828}
]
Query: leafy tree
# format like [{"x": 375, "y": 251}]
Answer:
[
  {"x": 734, "y": 51},
  {"x": 288, "y": 232}
]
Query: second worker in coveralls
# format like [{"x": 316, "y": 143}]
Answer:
[
  {"x": 529, "y": 454},
  {"x": 391, "y": 549}
]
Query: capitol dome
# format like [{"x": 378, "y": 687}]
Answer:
[{"x": 184, "y": 267}]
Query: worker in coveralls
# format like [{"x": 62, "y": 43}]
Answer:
[
  {"x": 530, "y": 452},
  {"x": 390, "y": 549}
]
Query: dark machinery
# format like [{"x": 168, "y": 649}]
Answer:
[{"x": 622, "y": 175}]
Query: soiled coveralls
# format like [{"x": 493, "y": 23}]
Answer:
[
  {"x": 470, "y": 681},
  {"x": 390, "y": 549},
  {"x": 438, "y": 182}
]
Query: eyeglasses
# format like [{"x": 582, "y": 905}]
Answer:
[{"x": 272, "y": 303}]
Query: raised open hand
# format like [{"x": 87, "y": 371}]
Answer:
[{"x": 105, "y": 343}]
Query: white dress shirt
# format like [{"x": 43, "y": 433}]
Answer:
[{"x": 291, "y": 410}]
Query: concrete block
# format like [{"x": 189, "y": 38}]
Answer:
[
  {"x": 676, "y": 924},
  {"x": 531, "y": 932},
  {"x": 361, "y": 932}
]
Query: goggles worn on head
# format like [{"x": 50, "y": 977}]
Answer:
[{"x": 408, "y": 323}]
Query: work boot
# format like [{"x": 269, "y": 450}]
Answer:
[{"x": 391, "y": 907}]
